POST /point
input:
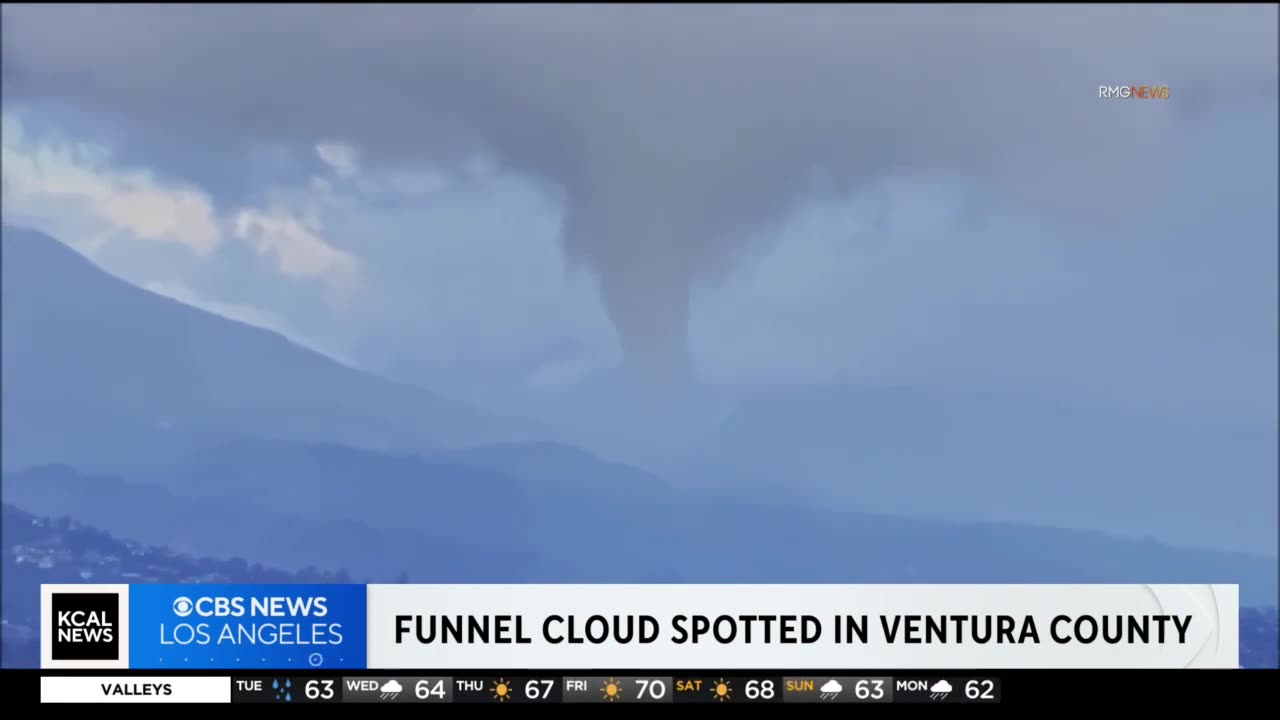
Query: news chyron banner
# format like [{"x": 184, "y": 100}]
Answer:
[
  {"x": 202, "y": 627},
  {"x": 622, "y": 627}
]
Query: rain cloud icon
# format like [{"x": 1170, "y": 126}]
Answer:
[
  {"x": 390, "y": 689},
  {"x": 939, "y": 690}
]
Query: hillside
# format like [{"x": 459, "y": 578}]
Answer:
[
  {"x": 84, "y": 351},
  {"x": 588, "y": 527},
  {"x": 971, "y": 454},
  {"x": 286, "y": 537}
]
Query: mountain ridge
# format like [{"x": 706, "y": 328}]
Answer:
[
  {"x": 593, "y": 532},
  {"x": 73, "y": 330}
]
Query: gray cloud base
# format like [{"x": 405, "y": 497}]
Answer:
[{"x": 672, "y": 132}]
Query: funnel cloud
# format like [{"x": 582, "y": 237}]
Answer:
[{"x": 672, "y": 135}]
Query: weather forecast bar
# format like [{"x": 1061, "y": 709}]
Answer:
[{"x": 707, "y": 688}]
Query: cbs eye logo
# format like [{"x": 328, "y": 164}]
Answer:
[{"x": 183, "y": 606}]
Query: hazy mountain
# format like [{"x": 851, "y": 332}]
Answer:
[
  {"x": 95, "y": 366},
  {"x": 228, "y": 527},
  {"x": 473, "y": 503},
  {"x": 930, "y": 452},
  {"x": 976, "y": 455},
  {"x": 52, "y": 426},
  {"x": 602, "y": 523},
  {"x": 607, "y": 410},
  {"x": 560, "y": 466}
]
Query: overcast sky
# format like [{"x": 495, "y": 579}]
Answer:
[{"x": 760, "y": 195}]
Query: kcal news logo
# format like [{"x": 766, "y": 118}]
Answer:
[{"x": 86, "y": 626}]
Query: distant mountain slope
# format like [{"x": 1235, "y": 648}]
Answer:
[
  {"x": 474, "y": 504},
  {"x": 76, "y": 337},
  {"x": 51, "y": 426},
  {"x": 963, "y": 454},
  {"x": 556, "y": 465},
  {"x": 230, "y": 527},
  {"x": 596, "y": 525}
]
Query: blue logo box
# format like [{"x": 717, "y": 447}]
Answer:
[{"x": 252, "y": 627}]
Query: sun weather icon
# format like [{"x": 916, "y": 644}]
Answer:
[
  {"x": 722, "y": 690},
  {"x": 284, "y": 690},
  {"x": 612, "y": 690},
  {"x": 501, "y": 690}
]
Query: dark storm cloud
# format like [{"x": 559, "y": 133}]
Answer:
[{"x": 671, "y": 130}]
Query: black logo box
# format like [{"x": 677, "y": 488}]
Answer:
[{"x": 101, "y": 605}]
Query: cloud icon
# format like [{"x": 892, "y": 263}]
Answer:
[
  {"x": 942, "y": 686},
  {"x": 831, "y": 686},
  {"x": 391, "y": 686}
]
